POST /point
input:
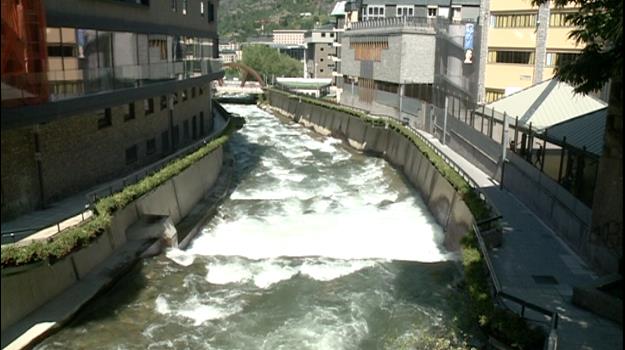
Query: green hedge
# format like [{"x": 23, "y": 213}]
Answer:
[
  {"x": 76, "y": 237},
  {"x": 503, "y": 325}
]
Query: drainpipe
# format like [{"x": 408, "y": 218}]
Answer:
[
  {"x": 540, "y": 55},
  {"x": 171, "y": 122},
  {"x": 445, "y": 121},
  {"x": 42, "y": 203},
  {"x": 401, "y": 99}
]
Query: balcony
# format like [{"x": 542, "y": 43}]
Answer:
[{"x": 66, "y": 84}]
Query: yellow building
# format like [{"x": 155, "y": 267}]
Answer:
[{"x": 514, "y": 44}]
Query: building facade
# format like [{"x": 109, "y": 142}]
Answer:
[
  {"x": 399, "y": 58},
  {"x": 319, "y": 49},
  {"x": 522, "y": 50},
  {"x": 126, "y": 83},
  {"x": 289, "y": 36}
]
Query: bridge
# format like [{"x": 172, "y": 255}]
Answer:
[{"x": 233, "y": 87}]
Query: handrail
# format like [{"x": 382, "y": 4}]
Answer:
[
  {"x": 27, "y": 231},
  {"x": 133, "y": 178},
  {"x": 121, "y": 183},
  {"x": 552, "y": 340}
]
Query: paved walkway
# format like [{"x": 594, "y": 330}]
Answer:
[
  {"x": 42, "y": 224},
  {"x": 531, "y": 249}
]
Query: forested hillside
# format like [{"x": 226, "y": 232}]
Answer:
[{"x": 240, "y": 19}]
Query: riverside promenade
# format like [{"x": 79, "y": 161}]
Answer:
[
  {"x": 535, "y": 264},
  {"x": 70, "y": 211}
]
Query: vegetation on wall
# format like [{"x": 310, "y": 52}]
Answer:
[
  {"x": 499, "y": 323},
  {"x": 76, "y": 237},
  {"x": 268, "y": 62}
]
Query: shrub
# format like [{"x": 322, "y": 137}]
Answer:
[{"x": 81, "y": 235}]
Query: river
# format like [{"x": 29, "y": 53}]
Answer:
[{"x": 318, "y": 247}]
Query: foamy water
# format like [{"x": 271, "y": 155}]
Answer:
[{"x": 318, "y": 247}]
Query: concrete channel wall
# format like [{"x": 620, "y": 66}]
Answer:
[
  {"x": 441, "y": 198},
  {"x": 26, "y": 290}
]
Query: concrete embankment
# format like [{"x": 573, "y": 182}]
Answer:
[
  {"x": 440, "y": 196},
  {"x": 35, "y": 297}
]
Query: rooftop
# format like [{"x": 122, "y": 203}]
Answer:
[{"x": 546, "y": 104}]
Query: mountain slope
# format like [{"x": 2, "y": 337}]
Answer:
[{"x": 240, "y": 19}]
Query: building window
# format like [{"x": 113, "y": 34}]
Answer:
[
  {"x": 432, "y": 10},
  {"x": 184, "y": 6},
  {"x": 200, "y": 91},
  {"x": 494, "y": 94},
  {"x": 559, "y": 19},
  {"x": 517, "y": 57},
  {"x": 193, "y": 92},
  {"x": 405, "y": 11},
  {"x": 150, "y": 146},
  {"x": 202, "y": 123},
  {"x": 174, "y": 5},
  {"x": 163, "y": 102},
  {"x": 202, "y": 8},
  {"x": 321, "y": 70},
  {"x": 148, "y": 106},
  {"x": 210, "y": 12},
  {"x": 165, "y": 141},
  {"x": 560, "y": 58},
  {"x": 194, "y": 128},
  {"x": 184, "y": 95},
  {"x": 62, "y": 50},
  {"x": 321, "y": 49},
  {"x": 321, "y": 60},
  {"x": 388, "y": 87},
  {"x": 373, "y": 12},
  {"x": 523, "y": 20},
  {"x": 175, "y": 97},
  {"x": 106, "y": 120},
  {"x": 323, "y": 35},
  {"x": 456, "y": 13},
  {"x": 131, "y": 154},
  {"x": 185, "y": 129},
  {"x": 130, "y": 112}
]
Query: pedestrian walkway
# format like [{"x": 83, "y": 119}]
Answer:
[
  {"x": 534, "y": 264},
  {"x": 45, "y": 223}
]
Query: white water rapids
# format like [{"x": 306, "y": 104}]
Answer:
[{"x": 318, "y": 247}]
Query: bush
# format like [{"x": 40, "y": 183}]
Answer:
[{"x": 81, "y": 235}]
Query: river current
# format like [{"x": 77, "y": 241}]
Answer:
[{"x": 318, "y": 247}]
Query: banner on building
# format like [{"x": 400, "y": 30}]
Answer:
[{"x": 468, "y": 42}]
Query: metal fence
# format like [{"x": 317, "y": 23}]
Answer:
[{"x": 15, "y": 235}]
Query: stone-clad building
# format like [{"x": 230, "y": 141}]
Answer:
[
  {"x": 319, "y": 49},
  {"x": 117, "y": 85},
  {"x": 403, "y": 55}
]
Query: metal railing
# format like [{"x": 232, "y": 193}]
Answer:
[
  {"x": 15, "y": 235},
  {"x": 498, "y": 293},
  {"x": 72, "y": 83},
  {"x": 133, "y": 178}
]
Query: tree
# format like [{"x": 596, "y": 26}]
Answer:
[
  {"x": 599, "y": 26},
  {"x": 269, "y": 62}
]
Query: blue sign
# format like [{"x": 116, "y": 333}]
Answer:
[
  {"x": 468, "y": 42},
  {"x": 468, "y": 36}
]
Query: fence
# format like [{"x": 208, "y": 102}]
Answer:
[
  {"x": 15, "y": 235},
  {"x": 497, "y": 291}
]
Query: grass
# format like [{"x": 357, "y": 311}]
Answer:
[
  {"x": 503, "y": 325},
  {"x": 79, "y": 236}
]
